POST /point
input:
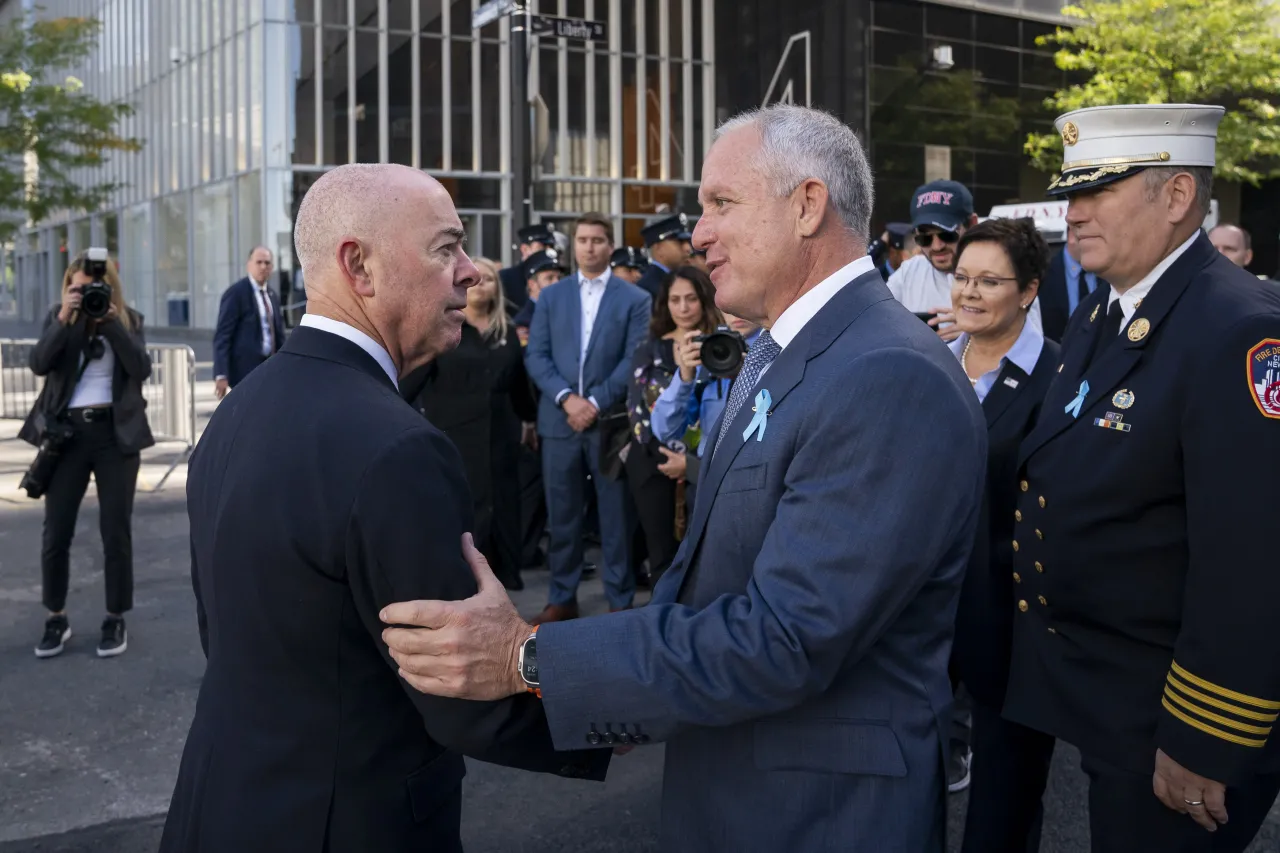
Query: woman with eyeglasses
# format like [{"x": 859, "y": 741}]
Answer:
[
  {"x": 93, "y": 369},
  {"x": 999, "y": 266}
]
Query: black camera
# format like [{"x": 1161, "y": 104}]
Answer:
[
  {"x": 95, "y": 297},
  {"x": 722, "y": 352}
]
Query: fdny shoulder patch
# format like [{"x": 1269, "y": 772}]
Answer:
[{"x": 1264, "y": 377}]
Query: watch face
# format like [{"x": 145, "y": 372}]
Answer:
[{"x": 529, "y": 665}]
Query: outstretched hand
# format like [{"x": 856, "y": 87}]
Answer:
[{"x": 463, "y": 649}]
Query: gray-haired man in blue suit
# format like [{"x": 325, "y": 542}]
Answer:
[{"x": 794, "y": 657}]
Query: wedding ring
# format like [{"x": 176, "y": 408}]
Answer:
[{"x": 1194, "y": 802}]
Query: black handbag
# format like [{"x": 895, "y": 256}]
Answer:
[{"x": 53, "y": 440}]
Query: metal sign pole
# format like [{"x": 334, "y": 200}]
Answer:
[{"x": 521, "y": 189}]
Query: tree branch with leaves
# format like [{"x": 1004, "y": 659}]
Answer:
[
  {"x": 50, "y": 124},
  {"x": 1218, "y": 52}
]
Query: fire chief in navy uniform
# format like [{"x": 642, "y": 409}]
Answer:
[
  {"x": 794, "y": 657},
  {"x": 1146, "y": 610}
]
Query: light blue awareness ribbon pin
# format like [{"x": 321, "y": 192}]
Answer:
[
  {"x": 1073, "y": 408},
  {"x": 763, "y": 401}
]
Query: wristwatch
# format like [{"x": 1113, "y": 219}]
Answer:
[{"x": 529, "y": 663}]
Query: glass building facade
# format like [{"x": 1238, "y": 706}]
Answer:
[{"x": 242, "y": 104}]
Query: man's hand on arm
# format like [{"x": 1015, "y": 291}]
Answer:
[{"x": 466, "y": 649}]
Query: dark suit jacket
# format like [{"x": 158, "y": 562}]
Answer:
[
  {"x": 794, "y": 656},
  {"x": 651, "y": 280},
  {"x": 56, "y": 356},
  {"x": 304, "y": 738},
  {"x": 1054, "y": 305},
  {"x": 514, "y": 286},
  {"x": 237, "y": 340},
  {"x": 984, "y": 620},
  {"x": 555, "y": 347}
]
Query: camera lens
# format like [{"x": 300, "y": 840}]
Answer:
[
  {"x": 722, "y": 352},
  {"x": 95, "y": 300}
]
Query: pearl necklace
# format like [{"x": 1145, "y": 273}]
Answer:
[{"x": 964, "y": 356}]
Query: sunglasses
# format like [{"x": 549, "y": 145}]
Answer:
[{"x": 924, "y": 239}]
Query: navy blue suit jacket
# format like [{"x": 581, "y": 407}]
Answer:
[
  {"x": 555, "y": 345},
  {"x": 794, "y": 657},
  {"x": 237, "y": 340},
  {"x": 304, "y": 738}
]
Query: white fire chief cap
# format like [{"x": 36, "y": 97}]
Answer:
[{"x": 1104, "y": 144}]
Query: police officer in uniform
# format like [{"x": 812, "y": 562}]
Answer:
[
  {"x": 669, "y": 243},
  {"x": 534, "y": 238},
  {"x": 629, "y": 263},
  {"x": 541, "y": 269},
  {"x": 1145, "y": 568}
]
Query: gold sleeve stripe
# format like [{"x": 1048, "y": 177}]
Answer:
[
  {"x": 1218, "y": 703},
  {"x": 1224, "y": 721},
  {"x": 1224, "y": 692},
  {"x": 1227, "y": 736}
]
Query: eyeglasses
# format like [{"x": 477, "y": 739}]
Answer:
[
  {"x": 924, "y": 239},
  {"x": 988, "y": 283}
]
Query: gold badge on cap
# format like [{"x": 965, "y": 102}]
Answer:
[
  {"x": 1123, "y": 399},
  {"x": 1138, "y": 329},
  {"x": 1070, "y": 133},
  {"x": 1094, "y": 315}
]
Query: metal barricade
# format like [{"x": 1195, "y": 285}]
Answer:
[{"x": 170, "y": 392}]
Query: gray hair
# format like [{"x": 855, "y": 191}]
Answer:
[
  {"x": 1157, "y": 176},
  {"x": 797, "y": 143}
]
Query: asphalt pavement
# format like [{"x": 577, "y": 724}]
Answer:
[{"x": 89, "y": 748}]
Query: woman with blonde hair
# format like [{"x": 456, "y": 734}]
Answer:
[
  {"x": 92, "y": 413},
  {"x": 480, "y": 396}
]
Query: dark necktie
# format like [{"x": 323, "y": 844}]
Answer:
[
  {"x": 1110, "y": 332},
  {"x": 763, "y": 351},
  {"x": 271, "y": 326}
]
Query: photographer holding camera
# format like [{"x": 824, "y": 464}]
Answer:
[
  {"x": 697, "y": 393},
  {"x": 90, "y": 417}
]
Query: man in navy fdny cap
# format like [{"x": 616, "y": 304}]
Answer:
[
  {"x": 668, "y": 242},
  {"x": 533, "y": 238},
  {"x": 1145, "y": 576}
]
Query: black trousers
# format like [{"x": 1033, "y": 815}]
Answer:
[
  {"x": 92, "y": 449},
  {"x": 1010, "y": 771},
  {"x": 1125, "y": 816},
  {"x": 654, "y": 495},
  {"x": 533, "y": 510}
]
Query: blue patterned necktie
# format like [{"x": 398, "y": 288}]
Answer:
[{"x": 763, "y": 351}]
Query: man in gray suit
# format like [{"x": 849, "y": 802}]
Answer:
[{"x": 794, "y": 657}]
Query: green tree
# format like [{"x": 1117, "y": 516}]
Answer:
[
  {"x": 1223, "y": 52},
  {"x": 50, "y": 125}
]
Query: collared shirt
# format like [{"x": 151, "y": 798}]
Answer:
[
  {"x": 662, "y": 267},
  {"x": 676, "y": 408},
  {"x": 921, "y": 287},
  {"x": 357, "y": 337},
  {"x": 1131, "y": 298},
  {"x": 591, "y": 291},
  {"x": 264, "y": 317},
  {"x": 1073, "y": 270},
  {"x": 1025, "y": 352}
]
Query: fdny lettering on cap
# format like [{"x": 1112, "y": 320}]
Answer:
[
  {"x": 1264, "y": 377},
  {"x": 934, "y": 197}
]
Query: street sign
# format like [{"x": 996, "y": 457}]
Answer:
[
  {"x": 569, "y": 28},
  {"x": 491, "y": 11}
]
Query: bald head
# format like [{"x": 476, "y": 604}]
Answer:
[
  {"x": 382, "y": 249},
  {"x": 1233, "y": 242}
]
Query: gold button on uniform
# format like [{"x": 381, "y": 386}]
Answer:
[
  {"x": 1017, "y": 578},
  {"x": 1017, "y": 515},
  {"x": 1022, "y": 605},
  {"x": 1015, "y": 544},
  {"x": 1039, "y": 568},
  {"x": 1039, "y": 535},
  {"x": 1024, "y": 485},
  {"x": 1041, "y": 500},
  {"x": 1041, "y": 600}
]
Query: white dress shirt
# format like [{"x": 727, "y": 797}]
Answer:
[
  {"x": 921, "y": 287},
  {"x": 1132, "y": 298},
  {"x": 590, "y": 295},
  {"x": 357, "y": 337}
]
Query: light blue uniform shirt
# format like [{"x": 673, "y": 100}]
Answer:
[
  {"x": 1074, "y": 270},
  {"x": 676, "y": 409},
  {"x": 1025, "y": 352}
]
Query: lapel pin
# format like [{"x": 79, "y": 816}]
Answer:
[
  {"x": 1138, "y": 329},
  {"x": 1011, "y": 382},
  {"x": 1123, "y": 399},
  {"x": 1094, "y": 315},
  {"x": 761, "y": 409},
  {"x": 1112, "y": 421},
  {"x": 1073, "y": 408}
]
